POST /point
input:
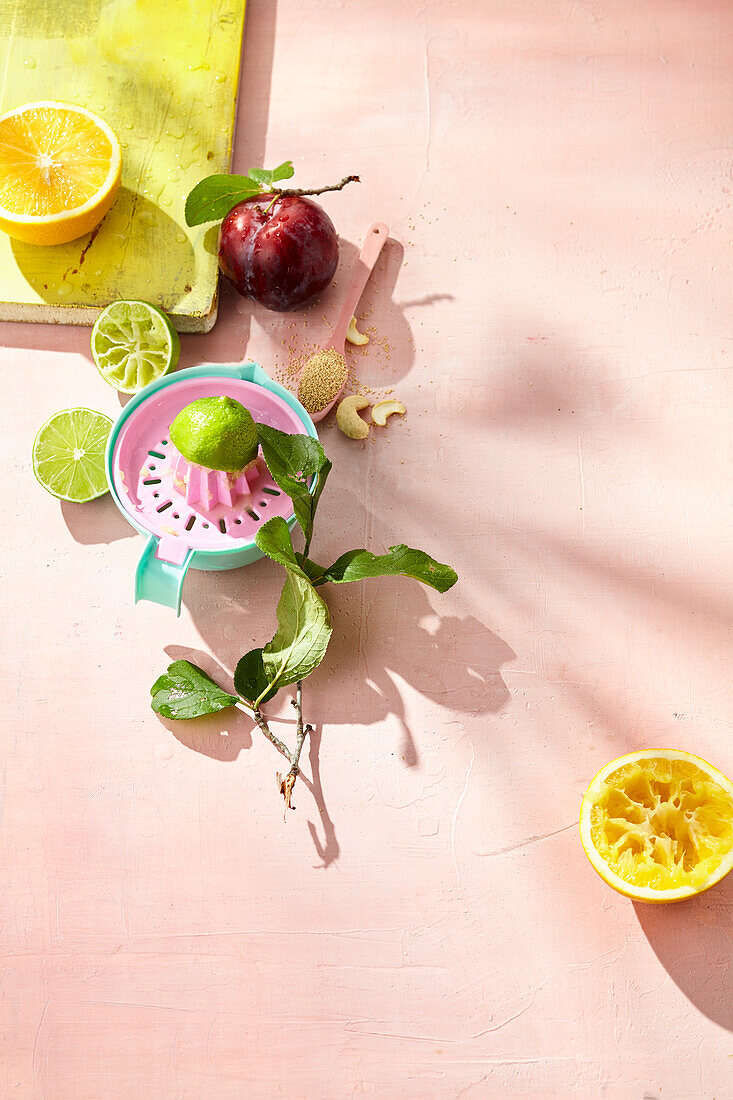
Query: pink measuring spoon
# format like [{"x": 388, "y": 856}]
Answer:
[{"x": 376, "y": 236}]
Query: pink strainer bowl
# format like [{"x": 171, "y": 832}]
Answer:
[{"x": 144, "y": 474}]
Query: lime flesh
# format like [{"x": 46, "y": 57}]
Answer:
[
  {"x": 133, "y": 344},
  {"x": 68, "y": 454},
  {"x": 216, "y": 432}
]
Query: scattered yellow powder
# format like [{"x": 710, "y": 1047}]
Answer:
[{"x": 322, "y": 378}]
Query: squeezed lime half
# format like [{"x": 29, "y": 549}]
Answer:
[
  {"x": 133, "y": 344},
  {"x": 217, "y": 432},
  {"x": 68, "y": 454}
]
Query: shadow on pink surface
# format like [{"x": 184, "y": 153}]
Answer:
[
  {"x": 98, "y": 521},
  {"x": 455, "y": 662},
  {"x": 66, "y": 339},
  {"x": 328, "y": 848},
  {"x": 387, "y": 358},
  {"x": 548, "y": 383},
  {"x": 693, "y": 941},
  {"x": 614, "y": 573},
  {"x": 223, "y": 736},
  {"x": 220, "y": 736}
]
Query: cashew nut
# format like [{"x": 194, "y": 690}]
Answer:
[
  {"x": 348, "y": 419},
  {"x": 353, "y": 335},
  {"x": 384, "y": 409}
]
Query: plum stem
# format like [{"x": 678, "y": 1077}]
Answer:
[
  {"x": 313, "y": 190},
  {"x": 260, "y": 720},
  {"x": 286, "y": 784}
]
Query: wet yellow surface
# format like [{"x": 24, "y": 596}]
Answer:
[{"x": 165, "y": 77}]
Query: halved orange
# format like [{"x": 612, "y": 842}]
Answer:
[
  {"x": 657, "y": 825},
  {"x": 60, "y": 168}
]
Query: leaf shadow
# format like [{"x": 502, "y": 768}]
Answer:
[
  {"x": 224, "y": 735},
  {"x": 401, "y": 636},
  {"x": 221, "y": 736},
  {"x": 386, "y": 358},
  {"x": 328, "y": 848}
]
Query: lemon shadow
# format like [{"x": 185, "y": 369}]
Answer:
[
  {"x": 110, "y": 262},
  {"x": 692, "y": 940}
]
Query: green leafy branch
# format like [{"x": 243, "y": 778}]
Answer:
[
  {"x": 213, "y": 197},
  {"x": 300, "y": 468}
]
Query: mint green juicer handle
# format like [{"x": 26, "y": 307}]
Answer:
[{"x": 160, "y": 580}]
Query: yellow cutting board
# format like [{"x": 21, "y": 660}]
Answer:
[{"x": 164, "y": 75}]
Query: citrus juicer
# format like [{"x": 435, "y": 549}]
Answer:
[{"x": 194, "y": 517}]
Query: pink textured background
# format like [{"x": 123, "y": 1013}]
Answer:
[{"x": 557, "y": 176}]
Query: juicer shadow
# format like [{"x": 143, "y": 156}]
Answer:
[
  {"x": 95, "y": 522},
  {"x": 224, "y": 735}
]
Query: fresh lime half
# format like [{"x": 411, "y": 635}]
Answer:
[
  {"x": 68, "y": 454},
  {"x": 133, "y": 343},
  {"x": 216, "y": 432}
]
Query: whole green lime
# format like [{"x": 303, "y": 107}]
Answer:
[{"x": 216, "y": 432}]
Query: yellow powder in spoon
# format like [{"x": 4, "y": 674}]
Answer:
[{"x": 322, "y": 378}]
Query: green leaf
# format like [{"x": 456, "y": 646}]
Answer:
[
  {"x": 212, "y": 198},
  {"x": 185, "y": 691},
  {"x": 293, "y": 455},
  {"x": 323, "y": 472},
  {"x": 292, "y": 460},
  {"x": 312, "y": 570},
  {"x": 262, "y": 177},
  {"x": 283, "y": 171},
  {"x": 401, "y": 560},
  {"x": 302, "y": 635},
  {"x": 273, "y": 539},
  {"x": 303, "y": 631},
  {"x": 250, "y": 678}
]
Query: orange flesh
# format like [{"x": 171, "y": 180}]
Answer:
[{"x": 51, "y": 160}]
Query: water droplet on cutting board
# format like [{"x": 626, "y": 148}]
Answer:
[
  {"x": 64, "y": 290},
  {"x": 163, "y": 753},
  {"x": 220, "y": 78},
  {"x": 30, "y": 62},
  {"x": 129, "y": 126}
]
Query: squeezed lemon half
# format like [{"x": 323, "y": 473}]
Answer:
[
  {"x": 658, "y": 825},
  {"x": 60, "y": 168}
]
